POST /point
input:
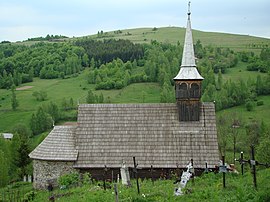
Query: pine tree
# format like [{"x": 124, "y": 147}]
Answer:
[
  {"x": 101, "y": 98},
  {"x": 219, "y": 81},
  {"x": 71, "y": 103},
  {"x": 3, "y": 170},
  {"x": 52, "y": 109},
  {"x": 64, "y": 104},
  {"x": 90, "y": 98},
  {"x": 23, "y": 159},
  {"x": 14, "y": 101}
]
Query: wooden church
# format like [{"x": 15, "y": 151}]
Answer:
[{"x": 164, "y": 136}]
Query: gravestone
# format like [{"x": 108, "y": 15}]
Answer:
[
  {"x": 186, "y": 175},
  {"x": 125, "y": 175},
  {"x": 29, "y": 178}
]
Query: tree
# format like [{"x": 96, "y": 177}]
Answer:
[
  {"x": 219, "y": 81},
  {"x": 166, "y": 95},
  {"x": 22, "y": 129},
  {"x": 53, "y": 111},
  {"x": 14, "y": 101},
  {"x": 71, "y": 103},
  {"x": 64, "y": 104},
  {"x": 101, "y": 98},
  {"x": 90, "y": 98},
  {"x": 4, "y": 170},
  {"x": 23, "y": 159},
  {"x": 40, "y": 121},
  {"x": 253, "y": 133},
  {"x": 263, "y": 151},
  {"x": 85, "y": 60}
]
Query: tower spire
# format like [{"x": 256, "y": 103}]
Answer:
[
  {"x": 188, "y": 66},
  {"x": 188, "y": 81},
  {"x": 189, "y": 10}
]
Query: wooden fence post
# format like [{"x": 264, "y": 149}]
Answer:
[
  {"x": 193, "y": 171},
  {"x": 116, "y": 193},
  {"x": 136, "y": 174},
  {"x": 253, "y": 163},
  {"x": 152, "y": 177},
  {"x": 242, "y": 163},
  {"x": 223, "y": 164},
  {"x": 104, "y": 177},
  {"x": 206, "y": 167}
]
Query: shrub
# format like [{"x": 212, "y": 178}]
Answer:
[
  {"x": 29, "y": 196},
  {"x": 69, "y": 179},
  {"x": 263, "y": 150},
  {"x": 260, "y": 103},
  {"x": 249, "y": 105},
  {"x": 87, "y": 178}
]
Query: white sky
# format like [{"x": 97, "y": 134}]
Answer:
[{"x": 22, "y": 19}]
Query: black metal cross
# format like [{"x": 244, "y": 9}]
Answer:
[
  {"x": 135, "y": 170},
  {"x": 104, "y": 176}
]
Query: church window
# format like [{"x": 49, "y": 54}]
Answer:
[{"x": 195, "y": 91}]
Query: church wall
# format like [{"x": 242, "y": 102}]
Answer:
[
  {"x": 46, "y": 172},
  {"x": 112, "y": 174}
]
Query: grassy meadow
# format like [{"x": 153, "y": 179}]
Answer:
[
  {"x": 174, "y": 34},
  {"x": 240, "y": 72},
  {"x": 206, "y": 188},
  {"x": 259, "y": 114},
  {"x": 75, "y": 88}
]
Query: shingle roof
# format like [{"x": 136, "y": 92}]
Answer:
[
  {"x": 59, "y": 145},
  {"x": 108, "y": 134}
]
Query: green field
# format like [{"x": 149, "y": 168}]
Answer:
[
  {"x": 259, "y": 114},
  {"x": 174, "y": 35},
  {"x": 240, "y": 72},
  {"x": 75, "y": 88}
]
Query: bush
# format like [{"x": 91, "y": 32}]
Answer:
[
  {"x": 260, "y": 103},
  {"x": 249, "y": 106},
  {"x": 69, "y": 179},
  {"x": 29, "y": 196},
  {"x": 87, "y": 178},
  {"x": 263, "y": 151}
]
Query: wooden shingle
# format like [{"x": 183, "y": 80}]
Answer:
[
  {"x": 108, "y": 134},
  {"x": 59, "y": 145}
]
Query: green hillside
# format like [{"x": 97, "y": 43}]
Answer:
[
  {"x": 75, "y": 88},
  {"x": 174, "y": 34}
]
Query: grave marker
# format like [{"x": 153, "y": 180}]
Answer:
[{"x": 125, "y": 175}]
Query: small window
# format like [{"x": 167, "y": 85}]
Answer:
[
  {"x": 195, "y": 91},
  {"x": 182, "y": 91}
]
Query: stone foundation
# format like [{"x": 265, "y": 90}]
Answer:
[{"x": 46, "y": 172}]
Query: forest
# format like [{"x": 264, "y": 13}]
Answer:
[{"x": 115, "y": 64}]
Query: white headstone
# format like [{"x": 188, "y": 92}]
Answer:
[
  {"x": 29, "y": 178},
  {"x": 24, "y": 178},
  {"x": 125, "y": 175}
]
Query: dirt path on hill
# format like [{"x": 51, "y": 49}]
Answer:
[{"x": 24, "y": 88}]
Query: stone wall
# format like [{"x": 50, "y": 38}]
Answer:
[{"x": 46, "y": 172}]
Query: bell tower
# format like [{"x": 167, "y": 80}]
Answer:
[{"x": 188, "y": 81}]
